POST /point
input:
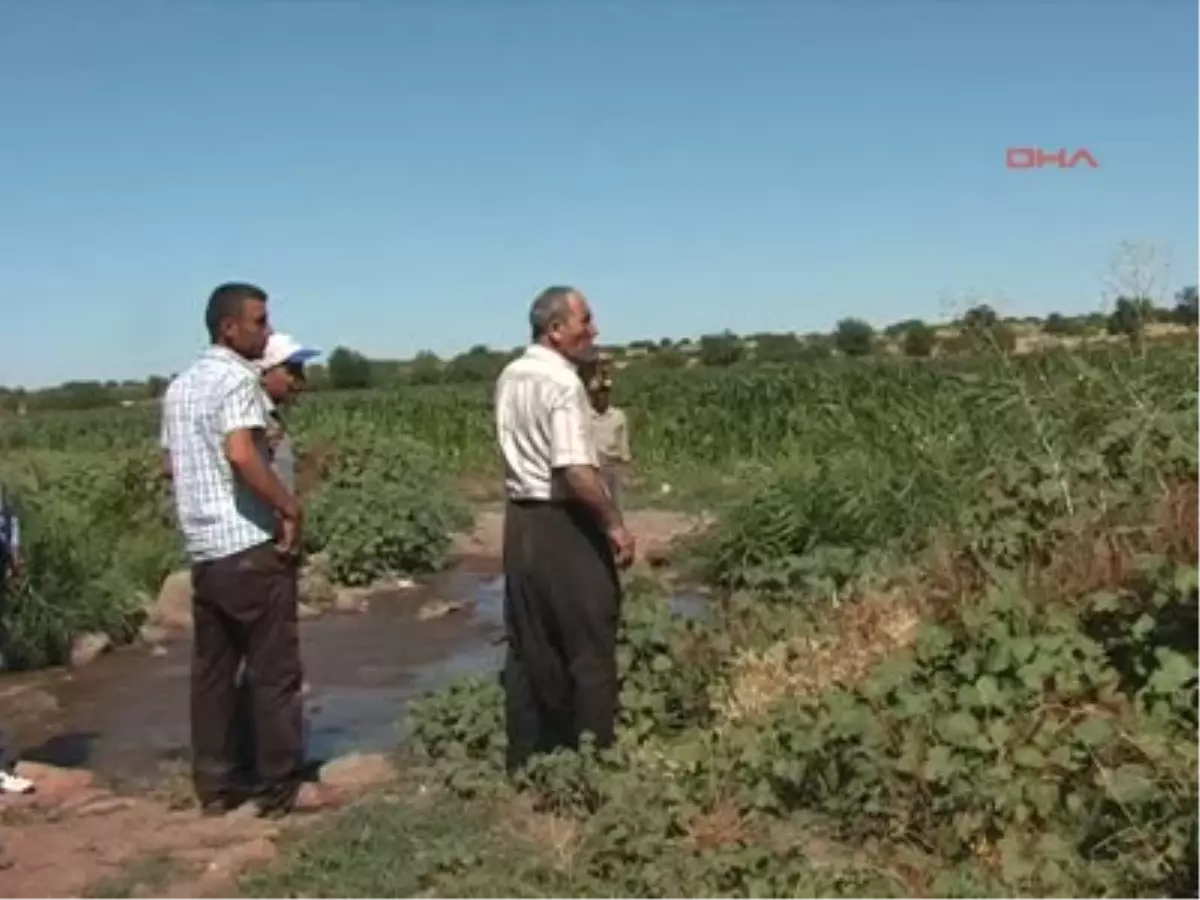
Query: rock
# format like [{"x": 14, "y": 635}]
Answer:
[
  {"x": 304, "y": 611},
  {"x": 152, "y": 634},
  {"x": 172, "y": 609},
  {"x": 357, "y": 770},
  {"x": 350, "y": 600},
  {"x": 437, "y": 608},
  {"x": 87, "y": 647},
  {"x": 316, "y": 587},
  {"x": 235, "y": 858}
]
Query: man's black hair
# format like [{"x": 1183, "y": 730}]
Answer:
[{"x": 226, "y": 302}]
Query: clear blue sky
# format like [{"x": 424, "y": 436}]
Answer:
[{"x": 407, "y": 174}]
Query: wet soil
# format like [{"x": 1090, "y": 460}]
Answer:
[{"x": 126, "y": 713}]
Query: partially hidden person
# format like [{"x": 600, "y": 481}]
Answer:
[
  {"x": 610, "y": 426},
  {"x": 282, "y": 369}
]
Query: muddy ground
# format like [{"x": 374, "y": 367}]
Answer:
[{"x": 108, "y": 744}]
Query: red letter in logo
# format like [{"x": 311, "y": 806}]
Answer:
[
  {"x": 1084, "y": 155},
  {"x": 1060, "y": 157},
  {"x": 1020, "y": 158}
]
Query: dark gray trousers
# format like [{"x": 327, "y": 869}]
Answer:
[
  {"x": 8, "y": 753},
  {"x": 8, "y": 750},
  {"x": 562, "y": 602}
]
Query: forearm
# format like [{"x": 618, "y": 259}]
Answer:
[{"x": 586, "y": 486}]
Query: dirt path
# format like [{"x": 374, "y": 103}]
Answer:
[{"x": 78, "y": 836}]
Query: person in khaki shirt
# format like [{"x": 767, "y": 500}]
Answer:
[{"x": 610, "y": 427}]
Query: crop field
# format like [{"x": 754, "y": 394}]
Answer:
[{"x": 952, "y": 646}]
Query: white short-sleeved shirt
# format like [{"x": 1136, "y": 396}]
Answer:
[
  {"x": 218, "y": 514},
  {"x": 543, "y": 422}
]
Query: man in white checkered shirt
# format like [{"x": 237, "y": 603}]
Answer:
[
  {"x": 564, "y": 540},
  {"x": 242, "y": 529}
]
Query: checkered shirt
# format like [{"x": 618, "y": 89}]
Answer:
[
  {"x": 543, "y": 422},
  {"x": 218, "y": 514}
]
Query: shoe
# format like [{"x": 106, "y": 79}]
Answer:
[
  {"x": 12, "y": 783},
  {"x": 310, "y": 798}
]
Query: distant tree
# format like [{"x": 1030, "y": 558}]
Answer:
[
  {"x": 156, "y": 386},
  {"x": 720, "y": 349},
  {"x": 979, "y": 319},
  {"x": 425, "y": 368},
  {"x": 348, "y": 369},
  {"x": 918, "y": 340},
  {"x": 477, "y": 364},
  {"x": 898, "y": 329},
  {"x": 776, "y": 348},
  {"x": 667, "y": 358},
  {"x": 1058, "y": 324},
  {"x": 1129, "y": 317},
  {"x": 815, "y": 348},
  {"x": 983, "y": 332},
  {"x": 1185, "y": 312},
  {"x": 854, "y": 337}
]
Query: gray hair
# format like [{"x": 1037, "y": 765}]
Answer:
[{"x": 549, "y": 308}]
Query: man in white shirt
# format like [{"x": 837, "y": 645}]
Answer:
[{"x": 564, "y": 540}]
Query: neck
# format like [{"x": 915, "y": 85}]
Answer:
[{"x": 546, "y": 345}]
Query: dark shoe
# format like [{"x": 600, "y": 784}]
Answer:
[
  {"x": 309, "y": 798},
  {"x": 220, "y": 806}
]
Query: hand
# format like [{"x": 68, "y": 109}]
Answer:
[
  {"x": 621, "y": 540},
  {"x": 16, "y": 571},
  {"x": 291, "y": 534}
]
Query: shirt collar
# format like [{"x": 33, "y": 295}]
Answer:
[
  {"x": 542, "y": 352},
  {"x": 217, "y": 351}
]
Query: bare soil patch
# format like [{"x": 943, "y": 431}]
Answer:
[
  {"x": 654, "y": 530},
  {"x": 75, "y": 837}
]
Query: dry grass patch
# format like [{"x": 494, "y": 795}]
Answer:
[
  {"x": 558, "y": 836},
  {"x": 723, "y": 825},
  {"x": 858, "y": 635}
]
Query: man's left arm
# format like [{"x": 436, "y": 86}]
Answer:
[
  {"x": 164, "y": 445},
  {"x": 16, "y": 559},
  {"x": 623, "y": 438}
]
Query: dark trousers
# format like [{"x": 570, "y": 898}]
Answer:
[
  {"x": 8, "y": 750},
  {"x": 8, "y": 753},
  {"x": 562, "y": 601},
  {"x": 244, "y": 607}
]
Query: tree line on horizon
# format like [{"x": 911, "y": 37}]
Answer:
[{"x": 980, "y": 329}]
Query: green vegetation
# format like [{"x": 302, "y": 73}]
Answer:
[
  {"x": 951, "y": 648},
  {"x": 952, "y": 651}
]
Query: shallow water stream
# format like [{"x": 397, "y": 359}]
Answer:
[{"x": 126, "y": 714}]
